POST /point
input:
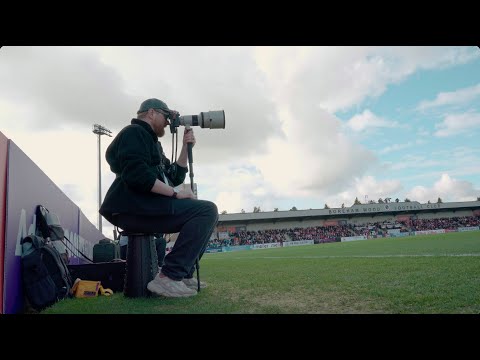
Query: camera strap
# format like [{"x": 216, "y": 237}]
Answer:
[{"x": 161, "y": 167}]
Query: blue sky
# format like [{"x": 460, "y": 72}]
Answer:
[
  {"x": 305, "y": 126},
  {"x": 421, "y": 136}
]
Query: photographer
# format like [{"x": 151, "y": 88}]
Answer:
[{"x": 144, "y": 191}]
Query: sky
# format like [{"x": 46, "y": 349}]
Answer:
[{"x": 305, "y": 127}]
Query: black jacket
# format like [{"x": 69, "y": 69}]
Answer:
[{"x": 134, "y": 156}]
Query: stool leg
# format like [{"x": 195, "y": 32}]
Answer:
[{"x": 142, "y": 265}]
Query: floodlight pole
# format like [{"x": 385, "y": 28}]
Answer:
[{"x": 100, "y": 130}]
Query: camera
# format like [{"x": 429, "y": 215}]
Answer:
[{"x": 208, "y": 119}]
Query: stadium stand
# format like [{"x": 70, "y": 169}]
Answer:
[{"x": 330, "y": 225}]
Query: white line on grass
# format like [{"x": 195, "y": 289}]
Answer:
[{"x": 349, "y": 256}]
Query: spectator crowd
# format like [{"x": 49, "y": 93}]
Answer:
[{"x": 332, "y": 233}]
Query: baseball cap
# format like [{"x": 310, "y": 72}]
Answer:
[{"x": 153, "y": 104}]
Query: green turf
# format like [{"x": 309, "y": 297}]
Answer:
[{"x": 427, "y": 274}]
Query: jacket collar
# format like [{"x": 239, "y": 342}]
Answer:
[{"x": 146, "y": 126}]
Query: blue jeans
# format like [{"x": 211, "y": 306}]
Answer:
[{"x": 194, "y": 220}]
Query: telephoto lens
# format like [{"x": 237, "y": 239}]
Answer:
[{"x": 208, "y": 119}]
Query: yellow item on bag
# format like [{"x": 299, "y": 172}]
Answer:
[{"x": 88, "y": 288}]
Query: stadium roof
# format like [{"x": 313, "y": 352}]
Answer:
[{"x": 392, "y": 208}]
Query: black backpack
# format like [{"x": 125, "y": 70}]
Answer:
[
  {"x": 48, "y": 226},
  {"x": 45, "y": 275}
]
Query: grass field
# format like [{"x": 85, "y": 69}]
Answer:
[{"x": 430, "y": 274}]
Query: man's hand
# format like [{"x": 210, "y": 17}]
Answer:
[
  {"x": 186, "y": 194},
  {"x": 188, "y": 137}
]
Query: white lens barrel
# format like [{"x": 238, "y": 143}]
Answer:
[
  {"x": 213, "y": 119},
  {"x": 209, "y": 119}
]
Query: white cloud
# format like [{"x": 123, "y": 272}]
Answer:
[
  {"x": 62, "y": 86},
  {"x": 447, "y": 188},
  {"x": 461, "y": 96},
  {"x": 338, "y": 78},
  {"x": 457, "y": 124},
  {"x": 233, "y": 201},
  {"x": 422, "y": 132},
  {"x": 416, "y": 162},
  {"x": 239, "y": 186},
  {"x": 365, "y": 186},
  {"x": 314, "y": 158},
  {"x": 398, "y": 147},
  {"x": 367, "y": 119}
]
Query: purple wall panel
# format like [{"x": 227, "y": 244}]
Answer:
[
  {"x": 27, "y": 187},
  {"x": 3, "y": 213},
  {"x": 86, "y": 230}
]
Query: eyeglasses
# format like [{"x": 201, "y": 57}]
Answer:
[{"x": 164, "y": 113}]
